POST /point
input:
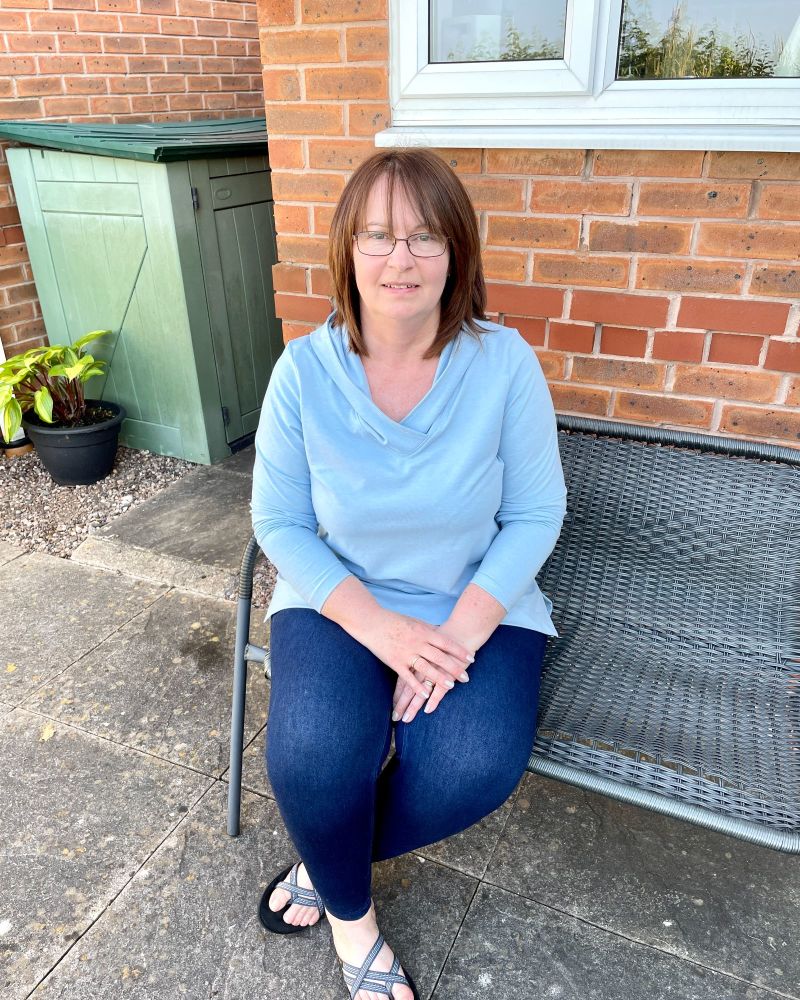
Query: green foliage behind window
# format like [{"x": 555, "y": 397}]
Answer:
[
  {"x": 684, "y": 52},
  {"x": 516, "y": 47}
]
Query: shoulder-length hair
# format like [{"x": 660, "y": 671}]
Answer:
[{"x": 445, "y": 208}]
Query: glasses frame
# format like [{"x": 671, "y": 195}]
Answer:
[{"x": 402, "y": 239}]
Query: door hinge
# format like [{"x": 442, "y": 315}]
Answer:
[
  {"x": 195, "y": 199},
  {"x": 226, "y": 416}
]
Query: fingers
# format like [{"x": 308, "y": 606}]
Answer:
[
  {"x": 445, "y": 664},
  {"x": 415, "y": 702},
  {"x": 433, "y": 702},
  {"x": 449, "y": 646},
  {"x": 407, "y": 674},
  {"x": 401, "y": 699},
  {"x": 408, "y": 704}
]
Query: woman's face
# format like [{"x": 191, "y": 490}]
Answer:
[{"x": 398, "y": 288}]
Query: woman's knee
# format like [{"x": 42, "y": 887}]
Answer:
[
  {"x": 327, "y": 755},
  {"x": 487, "y": 787},
  {"x": 323, "y": 727}
]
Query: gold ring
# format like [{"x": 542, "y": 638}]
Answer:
[{"x": 414, "y": 661}]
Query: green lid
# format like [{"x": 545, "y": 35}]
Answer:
[{"x": 159, "y": 141}]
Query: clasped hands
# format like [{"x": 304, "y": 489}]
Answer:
[{"x": 427, "y": 660}]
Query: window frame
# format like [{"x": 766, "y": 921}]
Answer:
[{"x": 575, "y": 102}]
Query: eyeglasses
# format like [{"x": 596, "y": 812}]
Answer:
[{"x": 420, "y": 244}]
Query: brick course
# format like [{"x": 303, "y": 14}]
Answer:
[
  {"x": 112, "y": 61},
  {"x": 655, "y": 286}
]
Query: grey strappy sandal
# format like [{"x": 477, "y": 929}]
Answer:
[
  {"x": 273, "y": 919},
  {"x": 377, "y": 982}
]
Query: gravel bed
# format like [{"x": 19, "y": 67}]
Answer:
[
  {"x": 40, "y": 516},
  {"x": 264, "y": 575},
  {"x": 37, "y": 515}
]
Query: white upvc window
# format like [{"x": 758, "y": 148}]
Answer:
[{"x": 646, "y": 74}]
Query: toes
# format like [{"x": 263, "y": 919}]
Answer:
[
  {"x": 300, "y": 916},
  {"x": 292, "y": 915},
  {"x": 278, "y": 900}
]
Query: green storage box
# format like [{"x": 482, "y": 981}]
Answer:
[{"x": 164, "y": 234}]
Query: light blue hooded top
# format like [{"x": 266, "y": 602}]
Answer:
[{"x": 466, "y": 488}]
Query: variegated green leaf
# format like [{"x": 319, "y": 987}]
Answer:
[
  {"x": 43, "y": 404},
  {"x": 89, "y": 337},
  {"x": 10, "y": 419}
]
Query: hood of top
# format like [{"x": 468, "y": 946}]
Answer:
[{"x": 330, "y": 346}]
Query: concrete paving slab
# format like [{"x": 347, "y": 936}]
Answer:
[
  {"x": 5, "y": 709},
  {"x": 161, "y": 684},
  {"x": 511, "y": 948},
  {"x": 254, "y": 770},
  {"x": 700, "y": 895},
  {"x": 190, "y": 536},
  {"x": 79, "y": 817},
  {"x": 54, "y": 612},
  {"x": 9, "y": 552},
  {"x": 242, "y": 462},
  {"x": 187, "y": 925}
]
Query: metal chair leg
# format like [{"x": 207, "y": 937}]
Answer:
[{"x": 241, "y": 651}]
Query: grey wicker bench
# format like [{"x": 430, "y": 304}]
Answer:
[{"x": 675, "y": 682}]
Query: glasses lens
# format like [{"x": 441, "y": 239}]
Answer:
[
  {"x": 375, "y": 244},
  {"x": 427, "y": 245},
  {"x": 381, "y": 244}
]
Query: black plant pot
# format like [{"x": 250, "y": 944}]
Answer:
[{"x": 77, "y": 456}]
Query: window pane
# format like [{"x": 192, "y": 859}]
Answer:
[
  {"x": 704, "y": 39},
  {"x": 493, "y": 30}
]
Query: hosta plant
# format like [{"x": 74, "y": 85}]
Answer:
[{"x": 49, "y": 381}]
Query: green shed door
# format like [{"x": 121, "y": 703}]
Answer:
[{"x": 234, "y": 216}]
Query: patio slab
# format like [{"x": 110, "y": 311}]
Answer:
[
  {"x": 699, "y": 895},
  {"x": 511, "y": 948},
  {"x": 55, "y": 612},
  {"x": 9, "y": 552},
  {"x": 187, "y": 924},
  {"x": 242, "y": 462},
  {"x": 162, "y": 684},
  {"x": 190, "y": 536},
  {"x": 80, "y": 816}
]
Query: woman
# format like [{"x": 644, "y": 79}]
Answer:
[{"x": 407, "y": 487}]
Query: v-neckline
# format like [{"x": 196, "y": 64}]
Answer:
[
  {"x": 410, "y": 419},
  {"x": 401, "y": 421},
  {"x": 426, "y": 419}
]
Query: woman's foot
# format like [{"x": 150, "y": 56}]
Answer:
[
  {"x": 299, "y": 916},
  {"x": 353, "y": 940}
]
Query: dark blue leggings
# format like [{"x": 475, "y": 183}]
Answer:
[{"x": 329, "y": 733}]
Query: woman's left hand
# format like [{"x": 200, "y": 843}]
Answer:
[{"x": 406, "y": 703}]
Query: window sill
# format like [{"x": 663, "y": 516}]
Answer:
[{"x": 745, "y": 138}]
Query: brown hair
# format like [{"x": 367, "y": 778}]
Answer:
[{"x": 445, "y": 208}]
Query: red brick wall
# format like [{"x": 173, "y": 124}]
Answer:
[
  {"x": 113, "y": 60},
  {"x": 656, "y": 287}
]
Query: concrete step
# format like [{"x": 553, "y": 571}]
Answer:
[{"x": 191, "y": 535}]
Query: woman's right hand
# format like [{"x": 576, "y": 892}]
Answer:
[{"x": 400, "y": 642}]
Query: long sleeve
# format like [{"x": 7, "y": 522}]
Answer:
[
  {"x": 284, "y": 521},
  {"x": 534, "y": 494}
]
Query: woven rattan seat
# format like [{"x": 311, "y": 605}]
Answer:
[
  {"x": 676, "y": 591},
  {"x": 675, "y": 680}
]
